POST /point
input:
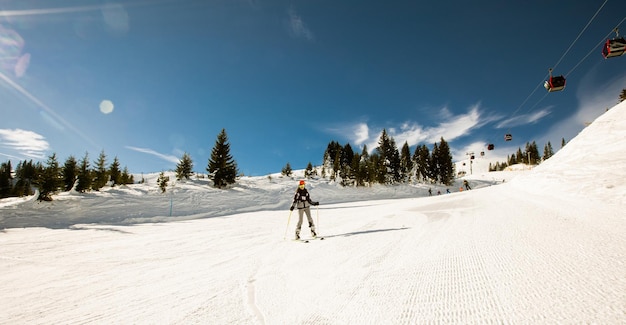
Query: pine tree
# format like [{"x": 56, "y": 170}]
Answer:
[
  {"x": 345, "y": 165},
  {"x": 421, "y": 158},
  {"x": 406, "y": 162},
  {"x": 531, "y": 154},
  {"x": 100, "y": 174},
  {"x": 126, "y": 177},
  {"x": 434, "y": 166},
  {"x": 286, "y": 171},
  {"x": 85, "y": 180},
  {"x": 114, "y": 172},
  {"x": 622, "y": 95},
  {"x": 388, "y": 168},
  {"x": 563, "y": 142},
  {"x": 184, "y": 169},
  {"x": 222, "y": 167},
  {"x": 6, "y": 180},
  {"x": 162, "y": 182},
  {"x": 70, "y": 173},
  {"x": 308, "y": 172},
  {"x": 444, "y": 161},
  {"x": 50, "y": 180},
  {"x": 26, "y": 175},
  {"x": 364, "y": 172},
  {"x": 547, "y": 151}
]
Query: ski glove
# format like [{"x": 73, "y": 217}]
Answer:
[
  {"x": 315, "y": 203},
  {"x": 291, "y": 208}
]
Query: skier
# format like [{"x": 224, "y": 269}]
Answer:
[
  {"x": 467, "y": 187},
  {"x": 303, "y": 202}
]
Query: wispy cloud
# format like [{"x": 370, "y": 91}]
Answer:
[
  {"x": 452, "y": 127},
  {"x": 297, "y": 27},
  {"x": 169, "y": 158},
  {"x": 26, "y": 143},
  {"x": 524, "y": 119}
]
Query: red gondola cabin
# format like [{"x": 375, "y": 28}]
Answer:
[
  {"x": 614, "y": 47},
  {"x": 554, "y": 83}
]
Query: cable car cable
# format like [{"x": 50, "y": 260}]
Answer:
[
  {"x": 557, "y": 63},
  {"x": 595, "y": 47}
]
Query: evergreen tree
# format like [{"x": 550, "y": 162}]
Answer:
[
  {"x": 331, "y": 161},
  {"x": 520, "y": 157},
  {"x": 444, "y": 161},
  {"x": 364, "y": 172},
  {"x": 421, "y": 158},
  {"x": 531, "y": 154},
  {"x": 100, "y": 174},
  {"x": 434, "y": 166},
  {"x": 222, "y": 167},
  {"x": 70, "y": 173},
  {"x": 388, "y": 168},
  {"x": 85, "y": 179},
  {"x": 115, "y": 173},
  {"x": 184, "y": 169},
  {"x": 126, "y": 178},
  {"x": 308, "y": 172},
  {"x": 346, "y": 172},
  {"x": 26, "y": 175},
  {"x": 162, "y": 182},
  {"x": 6, "y": 180},
  {"x": 373, "y": 168},
  {"x": 622, "y": 95},
  {"x": 406, "y": 163},
  {"x": 286, "y": 171},
  {"x": 50, "y": 180},
  {"x": 355, "y": 166},
  {"x": 563, "y": 142},
  {"x": 547, "y": 151}
]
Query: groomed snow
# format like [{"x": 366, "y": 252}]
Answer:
[{"x": 546, "y": 246}]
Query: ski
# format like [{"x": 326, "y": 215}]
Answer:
[{"x": 306, "y": 240}]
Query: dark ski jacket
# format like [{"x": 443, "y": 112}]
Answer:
[{"x": 302, "y": 200}]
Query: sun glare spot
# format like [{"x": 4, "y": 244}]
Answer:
[{"x": 106, "y": 107}]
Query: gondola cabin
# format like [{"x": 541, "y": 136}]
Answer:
[
  {"x": 508, "y": 137},
  {"x": 554, "y": 83},
  {"x": 490, "y": 146},
  {"x": 614, "y": 47}
]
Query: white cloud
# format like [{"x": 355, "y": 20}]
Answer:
[
  {"x": 454, "y": 127},
  {"x": 169, "y": 158},
  {"x": 524, "y": 119},
  {"x": 27, "y": 143},
  {"x": 297, "y": 27}
]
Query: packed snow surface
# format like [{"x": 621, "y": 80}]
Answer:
[{"x": 546, "y": 245}]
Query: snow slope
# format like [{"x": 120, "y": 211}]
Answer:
[{"x": 548, "y": 246}]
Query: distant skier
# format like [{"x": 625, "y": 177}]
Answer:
[
  {"x": 448, "y": 191},
  {"x": 430, "y": 192},
  {"x": 303, "y": 202},
  {"x": 466, "y": 184}
]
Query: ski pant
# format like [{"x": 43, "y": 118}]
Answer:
[{"x": 308, "y": 216}]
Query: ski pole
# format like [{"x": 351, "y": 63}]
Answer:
[
  {"x": 317, "y": 213},
  {"x": 288, "y": 220}
]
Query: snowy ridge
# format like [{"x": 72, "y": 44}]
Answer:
[{"x": 545, "y": 247}]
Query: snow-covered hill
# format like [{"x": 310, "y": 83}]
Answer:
[{"x": 546, "y": 246}]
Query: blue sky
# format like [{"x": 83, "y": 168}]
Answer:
[{"x": 147, "y": 81}]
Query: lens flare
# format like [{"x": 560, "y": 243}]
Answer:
[{"x": 106, "y": 107}]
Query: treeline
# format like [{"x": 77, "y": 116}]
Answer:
[
  {"x": 51, "y": 178},
  {"x": 530, "y": 156},
  {"x": 386, "y": 165}
]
